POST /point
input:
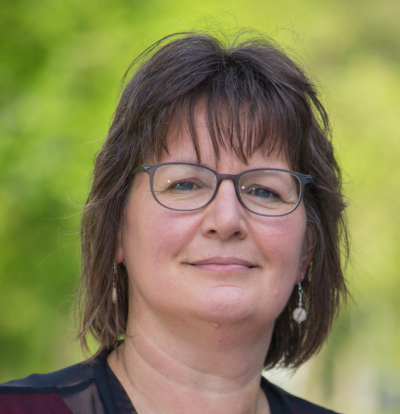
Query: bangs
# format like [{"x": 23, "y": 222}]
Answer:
[
  {"x": 248, "y": 106},
  {"x": 243, "y": 120}
]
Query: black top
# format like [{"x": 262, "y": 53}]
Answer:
[{"x": 92, "y": 388}]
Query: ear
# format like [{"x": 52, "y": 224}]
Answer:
[
  {"x": 309, "y": 249},
  {"x": 119, "y": 252},
  {"x": 119, "y": 255}
]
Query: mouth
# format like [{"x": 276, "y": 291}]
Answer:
[{"x": 223, "y": 264}]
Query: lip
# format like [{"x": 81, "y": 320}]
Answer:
[{"x": 224, "y": 264}]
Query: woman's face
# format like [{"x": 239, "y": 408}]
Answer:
[{"x": 221, "y": 264}]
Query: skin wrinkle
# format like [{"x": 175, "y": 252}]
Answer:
[
  {"x": 210, "y": 390},
  {"x": 213, "y": 394}
]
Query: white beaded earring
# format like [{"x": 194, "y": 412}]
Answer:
[
  {"x": 114, "y": 285},
  {"x": 300, "y": 314}
]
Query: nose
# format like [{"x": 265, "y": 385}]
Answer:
[{"x": 224, "y": 217}]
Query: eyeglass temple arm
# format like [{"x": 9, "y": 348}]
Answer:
[
  {"x": 309, "y": 179},
  {"x": 138, "y": 169}
]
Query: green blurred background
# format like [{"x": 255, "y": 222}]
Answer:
[{"x": 60, "y": 71}]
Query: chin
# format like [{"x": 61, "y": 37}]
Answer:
[{"x": 226, "y": 305}]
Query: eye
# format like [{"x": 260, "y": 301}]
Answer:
[
  {"x": 183, "y": 186},
  {"x": 262, "y": 192}
]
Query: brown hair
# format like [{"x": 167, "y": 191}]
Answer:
[{"x": 267, "y": 104}]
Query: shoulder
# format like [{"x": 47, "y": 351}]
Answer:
[
  {"x": 59, "y": 392},
  {"x": 66, "y": 377},
  {"x": 304, "y": 406},
  {"x": 283, "y": 402}
]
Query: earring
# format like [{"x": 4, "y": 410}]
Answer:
[
  {"x": 114, "y": 285},
  {"x": 300, "y": 314}
]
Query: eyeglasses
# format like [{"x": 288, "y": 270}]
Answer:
[{"x": 267, "y": 192}]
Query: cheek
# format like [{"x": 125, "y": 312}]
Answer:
[
  {"x": 154, "y": 235},
  {"x": 281, "y": 242},
  {"x": 150, "y": 229},
  {"x": 153, "y": 239},
  {"x": 168, "y": 232}
]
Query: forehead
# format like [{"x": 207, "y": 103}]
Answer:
[{"x": 196, "y": 145}]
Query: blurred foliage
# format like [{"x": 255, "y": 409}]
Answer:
[{"x": 60, "y": 68}]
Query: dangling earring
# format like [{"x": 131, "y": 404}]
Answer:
[
  {"x": 114, "y": 285},
  {"x": 300, "y": 314}
]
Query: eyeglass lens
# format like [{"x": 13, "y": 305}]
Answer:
[{"x": 189, "y": 187}]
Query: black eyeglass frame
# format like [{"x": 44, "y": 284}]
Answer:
[{"x": 151, "y": 169}]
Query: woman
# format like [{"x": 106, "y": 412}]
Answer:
[{"x": 210, "y": 239}]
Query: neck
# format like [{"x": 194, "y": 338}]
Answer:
[{"x": 175, "y": 367}]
